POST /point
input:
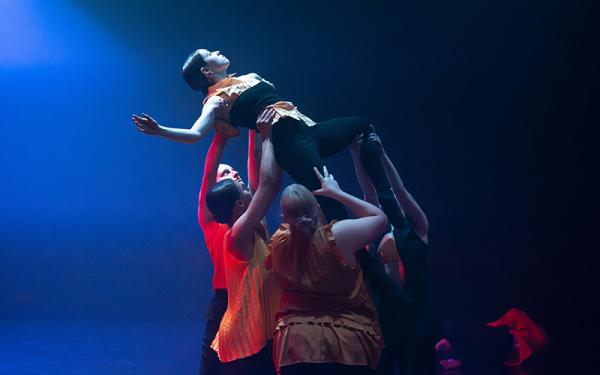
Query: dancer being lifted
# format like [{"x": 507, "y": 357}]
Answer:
[{"x": 237, "y": 101}]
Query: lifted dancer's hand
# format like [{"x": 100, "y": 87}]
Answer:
[
  {"x": 264, "y": 123},
  {"x": 146, "y": 124},
  {"x": 329, "y": 186}
]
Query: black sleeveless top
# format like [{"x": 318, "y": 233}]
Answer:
[{"x": 250, "y": 103}]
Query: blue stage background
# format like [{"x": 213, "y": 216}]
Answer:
[{"x": 480, "y": 104}]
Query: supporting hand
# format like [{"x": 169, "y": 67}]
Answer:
[
  {"x": 264, "y": 123},
  {"x": 373, "y": 137},
  {"x": 329, "y": 186}
]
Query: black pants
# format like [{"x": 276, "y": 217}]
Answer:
[
  {"x": 210, "y": 363},
  {"x": 259, "y": 363},
  {"x": 413, "y": 356},
  {"x": 299, "y": 148},
  {"x": 324, "y": 369}
]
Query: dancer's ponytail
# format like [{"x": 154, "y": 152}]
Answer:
[{"x": 299, "y": 208}]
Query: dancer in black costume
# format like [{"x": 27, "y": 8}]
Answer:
[
  {"x": 237, "y": 101},
  {"x": 410, "y": 330}
]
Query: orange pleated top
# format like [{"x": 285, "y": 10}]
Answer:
[
  {"x": 253, "y": 296},
  {"x": 326, "y": 314}
]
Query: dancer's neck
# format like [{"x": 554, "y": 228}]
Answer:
[{"x": 218, "y": 77}]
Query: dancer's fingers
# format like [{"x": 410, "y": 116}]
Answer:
[
  {"x": 319, "y": 176},
  {"x": 265, "y": 116},
  {"x": 325, "y": 172},
  {"x": 148, "y": 118},
  {"x": 260, "y": 117},
  {"x": 269, "y": 113}
]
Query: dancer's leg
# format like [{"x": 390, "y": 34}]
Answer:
[
  {"x": 387, "y": 363},
  {"x": 334, "y": 135},
  {"x": 210, "y": 363},
  {"x": 297, "y": 152},
  {"x": 259, "y": 363},
  {"x": 325, "y": 369}
]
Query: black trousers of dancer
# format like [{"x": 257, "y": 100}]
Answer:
[
  {"x": 413, "y": 353},
  {"x": 210, "y": 364},
  {"x": 325, "y": 369},
  {"x": 299, "y": 148},
  {"x": 259, "y": 363},
  {"x": 413, "y": 356}
]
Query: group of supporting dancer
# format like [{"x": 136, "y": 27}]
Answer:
[{"x": 326, "y": 293}]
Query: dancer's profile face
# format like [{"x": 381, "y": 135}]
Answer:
[
  {"x": 245, "y": 194},
  {"x": 226, "y": 171},
  {"x": 215, "y": 61}
]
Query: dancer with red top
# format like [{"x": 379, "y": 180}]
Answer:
[
  {"x": 244, "y": 336},
  {"x": 213, "y": 231}
]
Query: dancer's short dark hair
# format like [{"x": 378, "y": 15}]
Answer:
[
  {"x": 192, "y": 73},
  {"x": 221, "y": 199}
]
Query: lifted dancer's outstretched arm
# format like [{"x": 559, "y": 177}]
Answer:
[{"x": 199, "y": 130}]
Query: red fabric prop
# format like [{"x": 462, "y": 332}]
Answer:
[{"x": 528, "y": 337}]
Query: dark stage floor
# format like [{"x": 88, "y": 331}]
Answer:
[{"x": 52, "y": 347}]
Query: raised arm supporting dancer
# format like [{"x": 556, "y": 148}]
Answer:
[
  {"x": 247, "y": 325},
  {"x": 213, "y": 231},
  {"x": 410, "y": 330}
]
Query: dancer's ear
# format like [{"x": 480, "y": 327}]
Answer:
[
  {"x": 238, "y": 208},
  {"x": 207, "y": 72},
  {"x": 240, "y": 204}
]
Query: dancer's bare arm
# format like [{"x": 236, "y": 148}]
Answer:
[
  {"x": 211, "y": 166},
  {"x": 408, "y": 204},
  {"x": 254, "y": 154},
  {"x": 352, "y": 235},
  {"x": 199, "y": 130},
  {"x": 243, "y": 229},
  {"x": 366, "y": 185}
]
